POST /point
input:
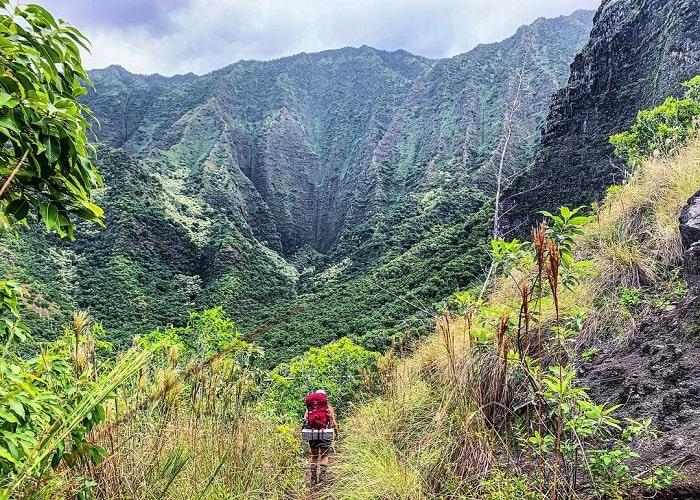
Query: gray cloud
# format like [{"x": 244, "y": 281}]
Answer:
[
  {"x": 153, "y": 15},
  {"x": 177, "y": 36}
]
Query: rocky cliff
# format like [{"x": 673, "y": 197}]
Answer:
[
  {"x": 690, "y": 236},
  {"x": 638, "y": 52}
]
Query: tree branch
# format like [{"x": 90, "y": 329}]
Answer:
[{"x": 13, "y": 173}]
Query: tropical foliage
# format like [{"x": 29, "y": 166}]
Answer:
[
  {"x": 254, "y": 188},
  {"x": 48, "y": 404},
  {"x": 170, "y": 398},
  {"x": 661, "y": 129},
  {"x": 344, "y": 370},
  {"x": 45, "y": 155}
]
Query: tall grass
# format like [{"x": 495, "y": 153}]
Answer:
[
  {"x": 202, "y": 436},
  {"x": 178, "y": 455},
  {"x": 427, "y": 436},
  {"x": 634, "y": 242},
  {"x": 441, "y": 428},
  {"x": 60, "y": 431},
  {"x": 637, "y": 225}
]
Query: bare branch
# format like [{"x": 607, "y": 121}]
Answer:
[{"x": 508, "y": 121}]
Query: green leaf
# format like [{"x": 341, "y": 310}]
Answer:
[
  {"x": 53, "y": 148},
  {"x": 17, "y": 407},
  {"x": 8, "y": 416},
  {"x": 42, "y": 14},
  {"x": 49, "y": 214},
  {"x": 8, "y": 100},
  {"x": 39, "y": 113},
  {"x": 7, "y": 122},
  {"x": 7, "y": 456},
  {"x": 580, "y": 220}
]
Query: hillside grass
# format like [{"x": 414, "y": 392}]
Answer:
[
  {"x": 426, "y": 435},
  {"x": 634, "y": 247},
  {"x": 178, "y": 454},
  {"x": 635, "y": 243}
]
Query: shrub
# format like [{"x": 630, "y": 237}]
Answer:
[
  {"x": 42, "y": 123},
  {"x": 341, "y": 368},
  {"x": 661, "y": 129}
]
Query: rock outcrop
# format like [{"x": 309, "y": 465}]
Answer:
[
  {"x": 690, "y": 235},
  {"x": 638, "y": 53}
]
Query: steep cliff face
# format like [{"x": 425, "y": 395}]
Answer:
[
  {"x": 442, "y": 137},
  {"x": 638, "y": 52},
  {"x": 298, "y": 129},
  {"x": 321, "y": 143}
]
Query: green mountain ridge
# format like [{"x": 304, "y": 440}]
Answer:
[{"x": 307, "y": 179}]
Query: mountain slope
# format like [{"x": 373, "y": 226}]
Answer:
[
  {"x": 284, "y": 136},
  {"x": 355, "y": 181}
]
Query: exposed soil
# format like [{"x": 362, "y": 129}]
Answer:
[{"x": 656, "y": 374}]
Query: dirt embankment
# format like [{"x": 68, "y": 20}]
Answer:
[{"x": 656, "y": 372}]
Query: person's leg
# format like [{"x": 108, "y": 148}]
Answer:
[
  {"x": 324, "y": 459},
  {"x": 313, "y": 464}
]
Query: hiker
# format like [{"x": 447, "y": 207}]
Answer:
[{"x": 320, "y": 428}]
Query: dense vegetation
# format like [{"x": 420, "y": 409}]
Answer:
[
  {"x": 49, "y": 403},
  {"x": 494, "y": 405},
  {"x": 490, "y": 406}
]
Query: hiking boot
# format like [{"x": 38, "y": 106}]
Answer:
[
  {"x": 314, "y": 475},
  {"x": 322, "y": 474}
]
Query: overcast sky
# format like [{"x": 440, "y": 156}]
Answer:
[{"x": 178, "y": 36}]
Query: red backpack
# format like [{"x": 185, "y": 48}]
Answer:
[{"x": 318, "y": 416}]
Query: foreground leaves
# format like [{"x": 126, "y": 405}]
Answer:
[{"x": 44, "y": 159}]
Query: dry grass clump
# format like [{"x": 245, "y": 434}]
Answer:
[
  {"x": 179, "y": 455},
  {"x": 636, "y": 228},
  {"x": 428, "y": 436},
  {"x": 634, "y": 242}
]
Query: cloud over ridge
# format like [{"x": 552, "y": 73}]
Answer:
[{"x": 179, "y": 36}]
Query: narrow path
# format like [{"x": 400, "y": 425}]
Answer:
[{"x": 323, "y": 490}]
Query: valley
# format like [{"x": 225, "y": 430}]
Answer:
[
  {"x": 310, "y": 180},
  {"x": 478, "y": 274}
]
